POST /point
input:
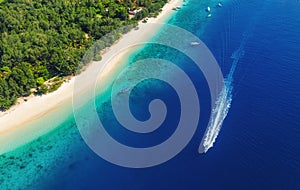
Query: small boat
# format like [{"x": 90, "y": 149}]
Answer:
[
  {"x": 176, "y": 8},
  {"x": 195, "y": 43},
  {"x": 220, "y": 5},
  {"x": 124, "y": 90},
  {"x": 209, "y": 15},
  {"x": 207, "y": 9}
]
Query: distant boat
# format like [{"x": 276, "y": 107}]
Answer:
[
  {"x": 220, "y": 5},
  {"x": 176, "y": 8},
  {"x": 124, "y": 90},
  {"x": 195, "y": 43},
  {"x": 209, "y": 15},
  {"x": 207, "y": 9}
]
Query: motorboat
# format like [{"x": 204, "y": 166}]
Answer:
[
  {"x": 195, "y": 43},
  {"x": 124, "y": 90}
]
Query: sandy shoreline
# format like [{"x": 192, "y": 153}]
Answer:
[{"x": 24, "y": 113}]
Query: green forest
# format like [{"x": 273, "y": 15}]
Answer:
[{"x": 43, "y": 41}]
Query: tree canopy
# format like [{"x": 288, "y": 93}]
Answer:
[{"x": 41, "y": 40}]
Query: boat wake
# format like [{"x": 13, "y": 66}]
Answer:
[{"x": 223, "y": 102}]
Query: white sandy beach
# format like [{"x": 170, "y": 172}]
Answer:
[{"x": 17, "y": 120}]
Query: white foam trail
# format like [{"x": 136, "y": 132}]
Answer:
[{"x": 223, "y": 102}]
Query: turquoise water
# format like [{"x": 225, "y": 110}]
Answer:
[{"x": 258, "y": 145}]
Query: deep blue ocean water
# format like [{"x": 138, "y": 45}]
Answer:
[{"x": 258, "y": 146}]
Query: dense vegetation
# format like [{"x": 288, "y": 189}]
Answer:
[{"x": 42, "y": 41}]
